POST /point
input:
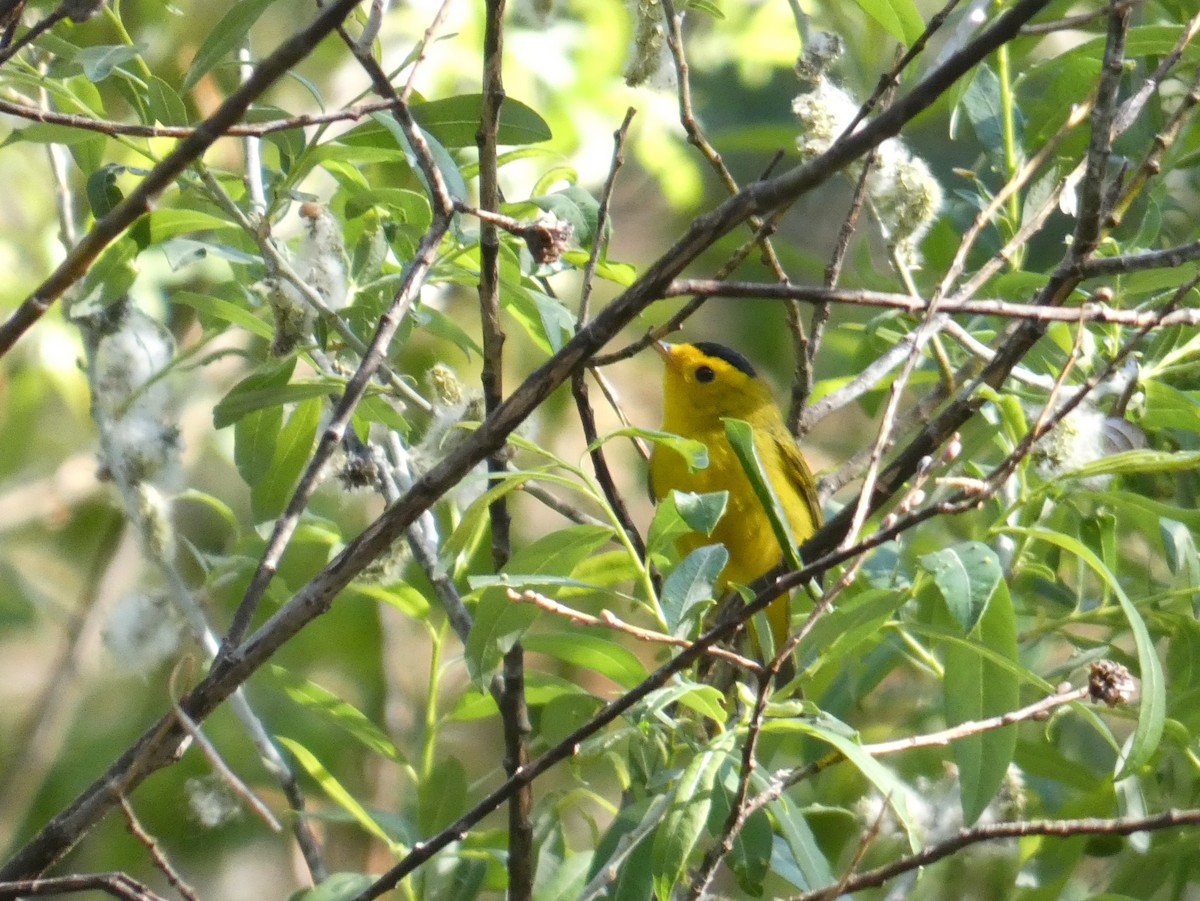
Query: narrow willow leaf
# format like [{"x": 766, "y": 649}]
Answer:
[
  {"x": 336, "y": 887},
  {"x": 224, "y": 311},
  {"x": 590, "y": 651},
  {"x": 689, "y": 587},
  {"x": 334, "y": 710},
  {"x": 226, "y": 36},
  {"x": 900, "y": 18},
  {"x": 270, "y": 494},
  {"x": 975, "y": 688},
  {"x": 442, "y": 796},
  {"x": 834, "y": 732},
  {"x": 688, "y": 813},
  {"x": 966, "y": 575},
  {"x": 455, "y": 121},
  {"x": 234, "y": 406},
  {"x": 741, "y": 439},
  {"x": 1137, "y": 461},
  {"x": 500, "y": 622},
  {"x": 336, "y": 791},
  {"x": 1153, "y": 705},
  {"x": 806, "y": 865}
]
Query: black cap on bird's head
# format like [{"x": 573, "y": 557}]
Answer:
[
  {"x": 710, "y": 349},
  {"x": 707, "y": 381},
  {"x": 732, "y": 357}
]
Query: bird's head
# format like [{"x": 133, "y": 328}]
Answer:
[{"x": 704, "y": 382}]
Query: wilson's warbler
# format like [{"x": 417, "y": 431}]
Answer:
[{"x": 704, "y": 384}]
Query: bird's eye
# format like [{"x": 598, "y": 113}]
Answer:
[{"x": 705, "y": 374}]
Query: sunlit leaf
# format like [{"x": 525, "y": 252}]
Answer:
[
  {"x": 966, "y": 575},
  {"x": 974, "y": 689}
]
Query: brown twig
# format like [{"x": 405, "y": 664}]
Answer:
[
  {"x": 156, "y": 747},
  {"x": 133, "y": 130},
  {"x": 579, "y": 390},
  {"x": 612, "y": 621},
  {"x": 156, "y": 853},
  {"x": 1090, "y": 312},
  {"x": 119, "y": 885},
  {"x": 1170, "y": 819},
  {"x": 142, "y": 197}
]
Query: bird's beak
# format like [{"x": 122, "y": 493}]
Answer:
[{"x": 663, "y": 349}]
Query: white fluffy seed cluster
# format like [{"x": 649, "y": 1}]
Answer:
[
  {"x": 1078, "y": 439},
  {"x": 321, "y": 257},
  {"x": 904, "y": 195},
  {"x": 142, "y": 633},
  {"x": 132, "y": 401},
  {"x": 645, "y": 55}
]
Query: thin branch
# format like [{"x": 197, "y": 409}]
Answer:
[
  {"x": 156, "y": 747},
  {"x": 132, "y": 130},
  {"x": 1170, "y": 819},
  {"x": 611, "y": 620},
  {"x": 1069, "y": 22},
  {"x": 141, "y": 199},
  {"x": 118, "y": 885},
  {"x": 156, "y": 853},
  {"x": 1090, "y": 312},
  {"x": 579, "y": 389}
]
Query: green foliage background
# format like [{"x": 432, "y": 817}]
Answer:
[{"x": 377, "y": 704}]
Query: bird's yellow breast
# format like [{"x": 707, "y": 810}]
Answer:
[{"x": 745, "y": 529}]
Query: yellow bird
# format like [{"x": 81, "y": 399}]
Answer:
[{"x": 704, "y": 384}]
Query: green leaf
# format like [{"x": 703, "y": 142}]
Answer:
[
  {"x": 255, "y": 435},
  {"x": 624, "y": 856},
  {"x": 681, "y": 512},
  {"x": 810, "y": 862},
  {"x": 701, "y": 512},
  {"x": 836, "y": 636},
  {"x": 102, "y": 191},
  {"x": 1153, "y": 705},
  {"x": 336, "y": 887},
  {"x": 166, "y": 106},
  {"x": 404, "y": 597},
  {"x": 688, "y": 813},
  {"x": 567, "y": 880},
  {"x": 966, "y": 575},
  {"x": 270, "y": 494},
  {"x": 254, "y": 439},
  {"x": 237, "y": 403},
  {"x": 226, "y": 36},
  {"x": 332, "y": 709},
  {"x": 575, "y": 205},
  {"x": 500, "y": 623},
  {"x": 741, "y": 439},
  {"x": 444, "y": 162},
  {"x": 225, "y": 311},
  {"x": 160, "y": 224},
  {"x": 694, "y": 452},
  {"x": 108, "y": 280},
  {"x": 99, "y": 61},
  {"x": 1137, "y": 461},
  {"x": 705, "y": 700},
  {"x": 336, "y": 791},
  {"x": 899, "y": 18},
  {"x": 455, "y": 121},
  {"x": 442, "y": 796},
  {"x": 975, "y": 688},
  {"x": 1169, "y": 408},
  {"x": 544, "y": 318},
  {"x": 1179, "y": 546},
  {"x": 836, "y": 733},
  {"x": 689, "y": 587},
  {"x": 592, "y": 652}
]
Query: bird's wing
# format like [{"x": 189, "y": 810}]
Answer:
[{"x": 799, "y": 476}]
